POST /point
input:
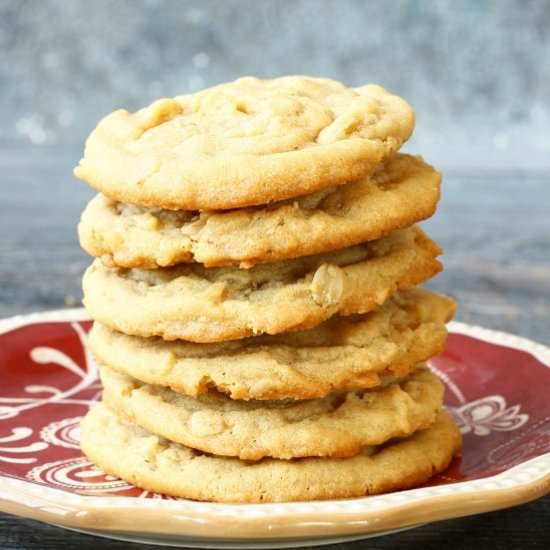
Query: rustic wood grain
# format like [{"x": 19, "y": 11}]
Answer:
[{"x": 496, "y": 233}]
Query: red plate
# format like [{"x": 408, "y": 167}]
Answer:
[{"x": 497, "y": 388}]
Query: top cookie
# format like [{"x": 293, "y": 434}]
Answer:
[{"x": 244, "y": 143}]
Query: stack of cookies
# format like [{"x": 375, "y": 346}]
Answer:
[{"x": 258, "y": 328}]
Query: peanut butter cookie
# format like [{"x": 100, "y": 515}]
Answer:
[
  {"x": 199, "y": 304},
  {"x": 337, "y": 425},
  {"x": 398, "y": 193},
  {"x": 244, "y": 143},
  {"x": 344, "y": 353},
  {"x": 157, "y": 464}
]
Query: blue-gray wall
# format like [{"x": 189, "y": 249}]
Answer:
[{"x": 477, "y": 72}]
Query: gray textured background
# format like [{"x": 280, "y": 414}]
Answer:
[{"x": 477, "y": 72}]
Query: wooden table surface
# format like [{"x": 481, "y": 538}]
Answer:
[{"x": 495, "y": 229}]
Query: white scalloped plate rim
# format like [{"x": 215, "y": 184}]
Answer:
[{"x": 521, "y": 483}]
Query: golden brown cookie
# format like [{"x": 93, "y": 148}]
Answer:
[
  {"x": 245, "y": 142},
  {"x": 199, "y": 304},
  {"x": 341, "y": 354},
  {"x": 156, "y": 464},
  {"x": 399, "y": 192},
  {"x": 337, "y": 425}
]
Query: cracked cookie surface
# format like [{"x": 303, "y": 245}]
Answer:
[
  {"x": 245, "y": 142},
  {"x": 199, "y": 304},
  {"x": 398, "y": 193},
  {"x": 343, "y": 353}
]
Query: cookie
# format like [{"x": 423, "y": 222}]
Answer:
[
  {"x": 199, "y": 304},
  {"x": 156, "y": 464},
  {"x": 400, "y": 192},
  {"x": 338, "y": 425},
  {"x": 244, "y": 143},
  {"x": 341, "y": 354}
]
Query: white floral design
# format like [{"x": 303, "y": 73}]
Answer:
[
  {"x": 63, "y": 433},
  {"x": 39, "y": 394},
  {"x": 488, "y": 414},
  {"x": 77, "y": 474},
  {"x": 84, "y": 477},
  {"x": 17, "y": 434}
]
